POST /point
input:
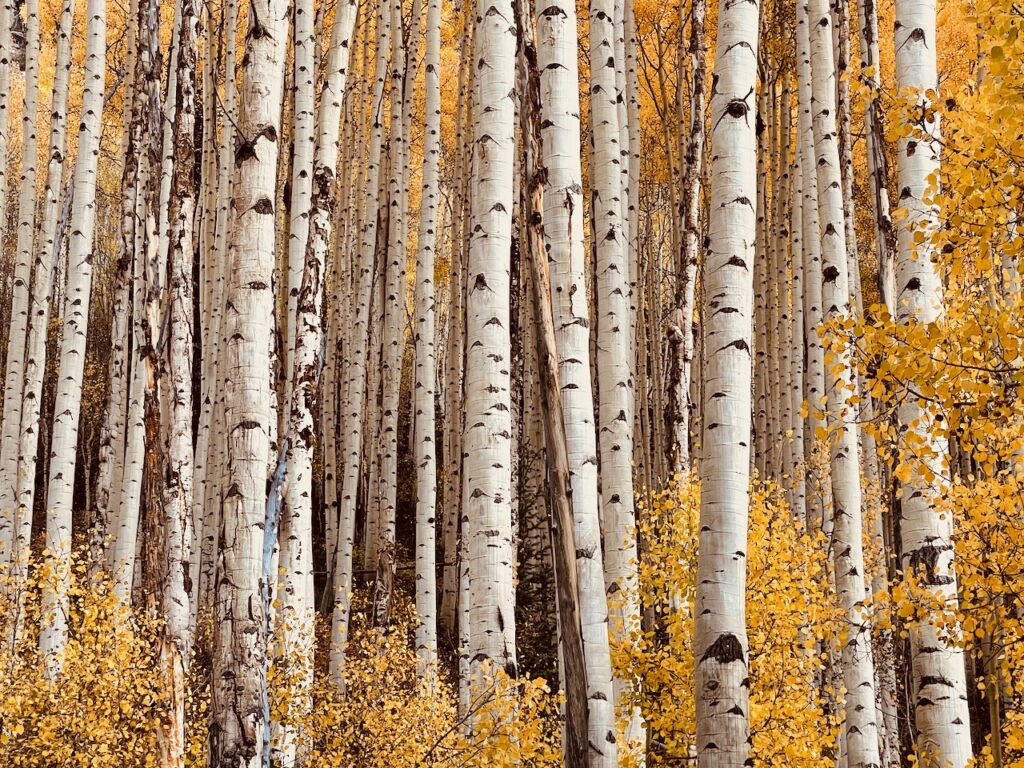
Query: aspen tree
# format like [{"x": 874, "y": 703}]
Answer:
[
  {"x": 720, "y": 641},
  {"x": 456, "y": 343},
  {"x": 563, "y": 237},
  {"x": 213, "y": 485},
  {"x": 357, "y": 362},
  {"x": 878, "y": 171},
  {"x": 860, "y": 726},
  {"x": 110, "y": 473},
  {"x": 941, "y": 718},
  {"x": 303, "y": 143},
  {"x": 174, "y": 644},
  {"x": 321, "y": 223},
  {"x": 562, "y": 528},
  {"x": 6, "y": 17},
  {"x": 143, "y": 147},
  {"x": 615, "y": 385},
  {"x": 818, "y": 518},
  {"x": 68, "y": 403},
  {"x": 487, "y": 487},
  {"x": 682, "y": 337},
  {"x": 42, "y": 278},
  {"x": 798, "y": 491},
  {"x": 14, "y": 373},
  {"x": 304, "y": 287},
  {"x": 426, "y": 361},
  {"x": 393, "y": 337},
  {"x": 239, "y": 665}
]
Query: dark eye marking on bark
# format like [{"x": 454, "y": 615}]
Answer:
[{"x": 725, "y": 650}]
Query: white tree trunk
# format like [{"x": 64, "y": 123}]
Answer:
[
  {"x": 720, "y": 643},
  {"x": 487, "y": 482},
  {"x": 174, "y": 644},
  {"x": 213, "y": 482},
  {"x": 68, "y": 404},
  {"x": 393, "y": 336},
  {"x": 810, "y": 240},
  {"x": 426, "y": 359},
  {"x": 859, "y": 725},
  {"x": 14, "y": 373},
  {"x": 356, "y": 365},
  {"x": 942, "y": 723},
  {"x": 239, "y": 690},
  {"x": 615, "y": 415},
  {"x": 6, "y": 17},
  {"x": 39, "y": 321}
]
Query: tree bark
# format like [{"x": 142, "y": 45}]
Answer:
[{"x": 720, "y": 643}]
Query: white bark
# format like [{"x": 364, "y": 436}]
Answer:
[
  {"x": 859, "y": 725},
  {"x": 426, "y": 359},
  {"x": 487, "y": 487},
  {"x": 615, "y": 415},
  {"x": 720, "y": 643},
  {"x": 810, "y": 239},
  {"x": 176, "y": 396},
  {"x": 942, "y": 723},
  {"x": 393, "y": 337},
  {"x": 6, "y": 16},
  {"x": 239, "y": 690},
  {"x": 11, "y": 536},
  {"x": 45, "y": 261},
  {"x": 68, "y": 404},
  {"x": 356, "y": 365},
  {"x": 213, "y": 482}
]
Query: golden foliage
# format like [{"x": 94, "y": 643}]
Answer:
[
  {"x": 789, "y": 610},
  {"x": 103, "y": 710}
]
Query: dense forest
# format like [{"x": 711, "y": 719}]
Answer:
[{"x": 512, "y": 383}]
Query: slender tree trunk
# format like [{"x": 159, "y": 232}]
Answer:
[
  {"x": 68, "y": 403},
  {"x": 720, "y": 643},
  {"x": 426, "y": 361},
  {"x": 46, "y": 250},
  {"x": 322, "y": 213},
  {"x": 6, "y": 18},
  {"x": 357, "y": 361},
  {"x": 681, "y": 335},
  {"x": 393, "y": 337},
  {"x": 818, "y": 518},
  {"x": 941, "y": 719},
  {"x": 174, "y": 643},
  {"x": 860, "y": 727},
  {"x": 14, "y": 536},
  {"x": 213, "y": 492}
]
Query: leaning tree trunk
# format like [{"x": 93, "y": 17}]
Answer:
[
  {"x": 487, "y": 445},
  {"x": 860, "y": 727},
  {"x": 14, "y": 373},
  {"x": 563, "y": 239},
  {"x": 68, "y": 403},
  {"x": 720, "y": 643},
  {"x": 572, "y": 652},
  {"x": 941, "y": 719},
  {"x": 239, "y": 664}
]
